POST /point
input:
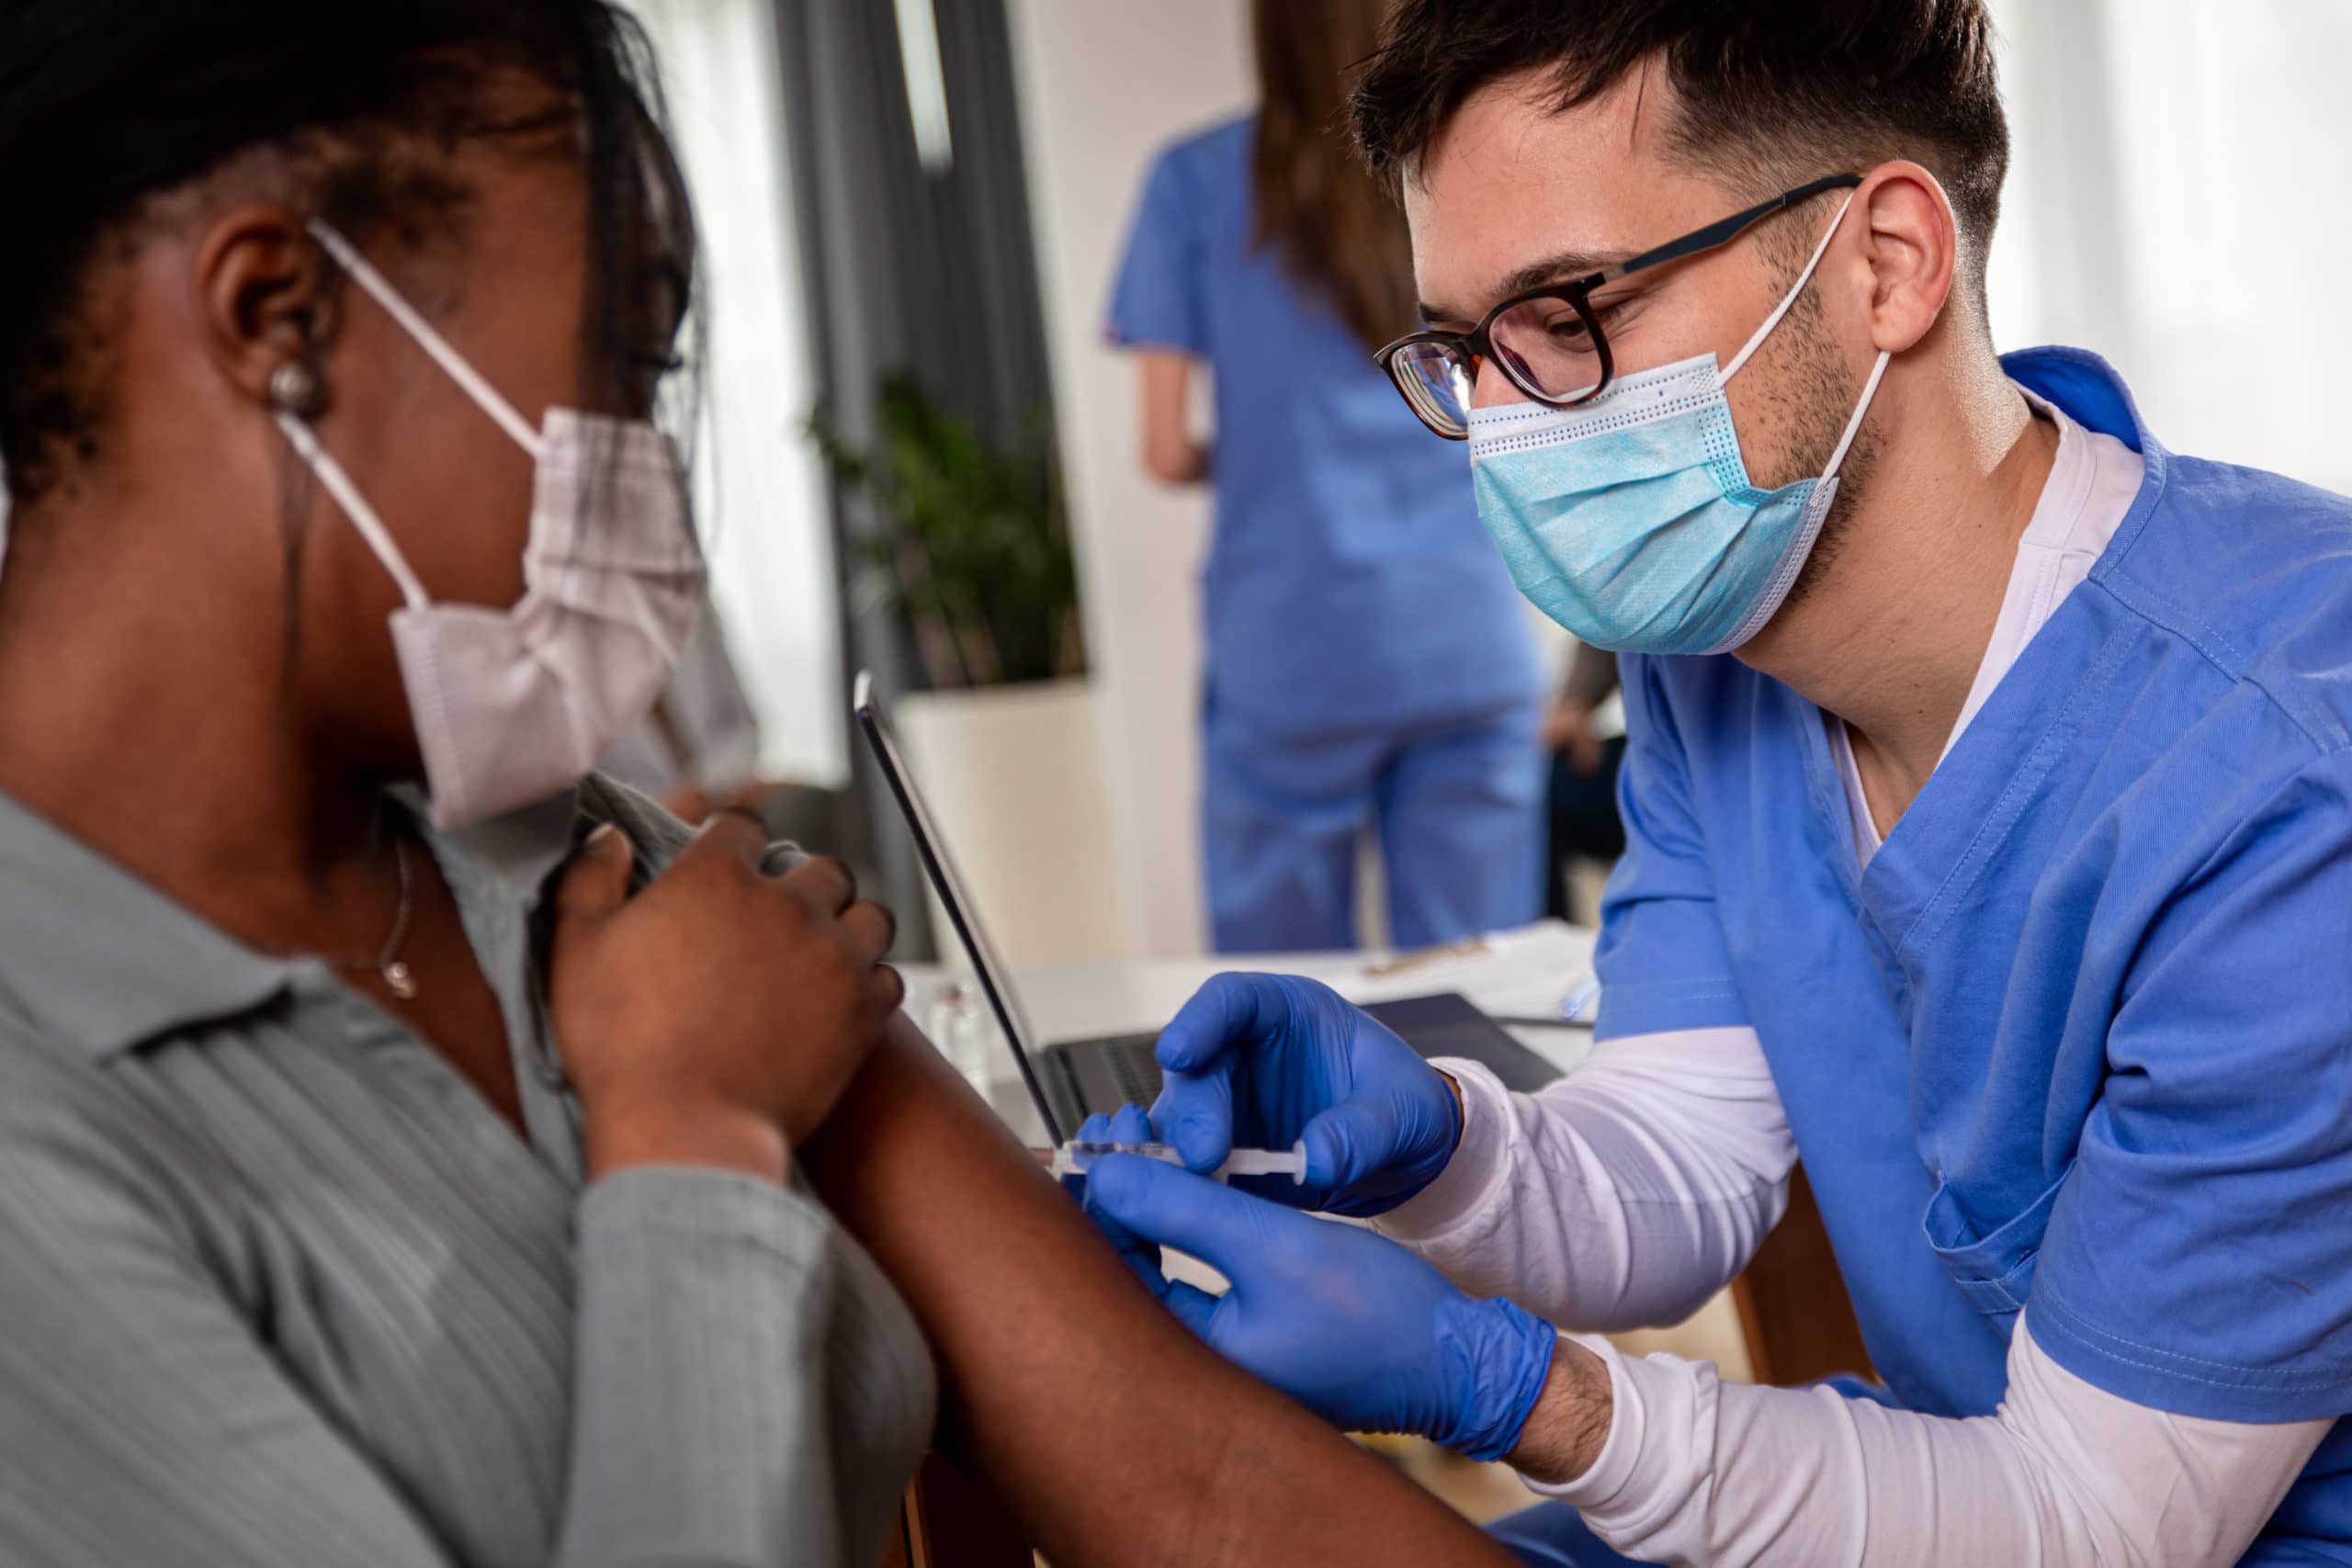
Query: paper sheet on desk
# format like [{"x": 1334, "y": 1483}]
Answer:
[{"x": 1526, "y": 972}]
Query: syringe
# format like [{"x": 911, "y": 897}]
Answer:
[{"x": 1074, "y": 1159}]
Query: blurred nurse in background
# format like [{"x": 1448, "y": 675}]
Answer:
[{"x": 1369, "y": 669}]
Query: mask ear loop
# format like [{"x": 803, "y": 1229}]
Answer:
[
  {"x": 305, "y": 441},
  {"x": 378, "y": 288},
  {"x": 1789, "y": 299},
  {"x": 1854, "y": 425}
]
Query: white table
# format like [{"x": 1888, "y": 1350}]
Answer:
[{"x": 1526, "y": 972}]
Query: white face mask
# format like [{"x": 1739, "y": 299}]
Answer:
[{"x": 513, "y": 706}]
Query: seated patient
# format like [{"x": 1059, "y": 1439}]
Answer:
[{"x": 465, "y": 1174}]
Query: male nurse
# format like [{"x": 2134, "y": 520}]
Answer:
[{"x": 1988, "y": 803}]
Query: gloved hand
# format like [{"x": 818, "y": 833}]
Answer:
[
  {"x": 1264, "y": 1061},
  {"x": 1344, "y": 1321}
]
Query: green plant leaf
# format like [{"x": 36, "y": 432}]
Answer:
[{"x": 980, "y": 522}]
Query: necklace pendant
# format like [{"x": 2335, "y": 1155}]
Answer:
[{"x": 398, "y": 979}]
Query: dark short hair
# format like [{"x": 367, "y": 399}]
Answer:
[{"x": 1769, "y": 93}]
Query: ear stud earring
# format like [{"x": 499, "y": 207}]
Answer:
[{"x": 294, "y": 388}]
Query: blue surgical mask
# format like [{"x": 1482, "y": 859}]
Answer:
[{"x": 1630, "y": 520}]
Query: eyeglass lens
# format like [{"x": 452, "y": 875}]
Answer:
[
  {"x": 1550, "y": 347},
  {"x": 1547, "y": 346},
  {"x": 1437, "y": 383}
]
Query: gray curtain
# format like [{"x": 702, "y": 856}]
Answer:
[{"x": 908, "y": 269}]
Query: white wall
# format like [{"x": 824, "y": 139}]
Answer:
[
  {"x": 2173, "y": 203},
  {"x": 1102, "y": 84}
]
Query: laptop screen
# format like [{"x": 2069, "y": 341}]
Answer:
[{"x": 994, "y": 978}]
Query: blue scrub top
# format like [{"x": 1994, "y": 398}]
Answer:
[
  {"x": 2080, "y": 1038},
  {"x": 1349, "y": 584}
]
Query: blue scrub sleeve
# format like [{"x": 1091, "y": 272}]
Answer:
[
  {"x": 1662, "y": 960},
  {"x": 2195, "y": 1258},
  {"x": 1158, "y": 299}
]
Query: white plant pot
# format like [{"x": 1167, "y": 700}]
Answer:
[{"x": 1013, "y": 776}]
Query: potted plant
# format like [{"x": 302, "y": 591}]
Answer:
[{"x": 970, "y": 544}]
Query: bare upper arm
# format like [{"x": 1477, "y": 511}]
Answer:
[{"x": 1110, "y": 1432}]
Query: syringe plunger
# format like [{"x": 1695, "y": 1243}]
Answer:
[{"x": 1076, "y": 1158}]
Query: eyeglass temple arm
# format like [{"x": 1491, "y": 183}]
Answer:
[{"x": 1723, "y": 232}]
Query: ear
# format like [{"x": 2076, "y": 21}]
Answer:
[
  {"x": 1911, "y": 245},
  {"x": 262, "y": 289}
]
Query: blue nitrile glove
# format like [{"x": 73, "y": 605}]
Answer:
[
  {"x": 1265, "y": 1061},
  {"x": 1343, "y": 1320},
  {"x": 1128, "y": 1125}
]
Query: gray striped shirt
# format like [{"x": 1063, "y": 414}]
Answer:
[{"x": 279, "y": 1288}]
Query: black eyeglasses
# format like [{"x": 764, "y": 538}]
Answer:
[{"x": 1548, "y": 340}]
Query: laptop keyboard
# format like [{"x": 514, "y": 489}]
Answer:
[
  {"x": 1136, "y": 1070},
  {"x": 1102, "y": 1074}
]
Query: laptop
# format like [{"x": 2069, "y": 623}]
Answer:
[{"x": 1073, "y": 1080}]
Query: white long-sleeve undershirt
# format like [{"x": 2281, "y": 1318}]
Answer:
[
  {"x": 1628, "y": 1192},
  {"x": 1663, "y": 1160}
]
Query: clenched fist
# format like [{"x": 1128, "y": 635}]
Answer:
[{"x": 715, "y": 1018}]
